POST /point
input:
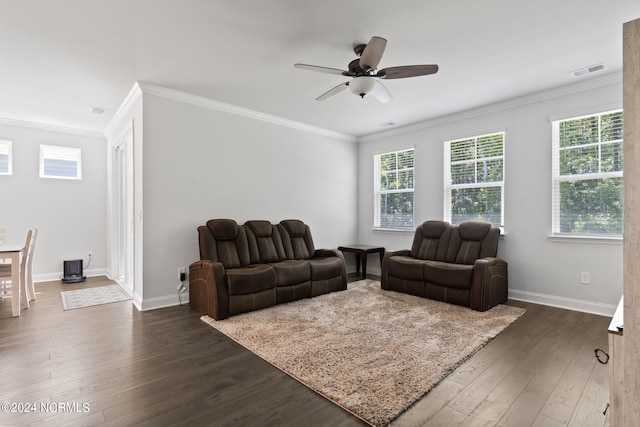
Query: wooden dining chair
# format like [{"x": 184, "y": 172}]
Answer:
[
  {"x": 26, "y": 275},
  {"x": 28, "y": 269},
  {"x": 3, "y": 238}
]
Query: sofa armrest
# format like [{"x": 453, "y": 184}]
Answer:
[
  {"x": 208, "y": 291},
  {"x": 326, "y": 253},
  {"x": 334, "y": 253},
  {"x": 401, "y": 252},
  {"x": 489, "y": 284},
  {"x": 384, "y": 279}
]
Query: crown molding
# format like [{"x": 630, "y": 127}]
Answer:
[
  {"x": 592, "y": 83},
  {"x": 50, "y": 128},
  {"x": 134, "y": 93},
  {"x": 201, "y": 101}
]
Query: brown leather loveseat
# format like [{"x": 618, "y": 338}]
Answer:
[
  {"x": 457, "y": 264},
  {"x": 259, "y": 264}
]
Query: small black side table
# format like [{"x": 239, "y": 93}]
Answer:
[{"x": 361, "y": 252}]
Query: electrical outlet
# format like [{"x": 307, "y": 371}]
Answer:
[
  {"x": 585, "y": 278},
  {"x": 182, "y": 274}
]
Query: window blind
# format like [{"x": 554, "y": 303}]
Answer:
[
  {"x": 587, "y": 166},
  {"x": 60, "y": 162},
  {"x": 474, "y": 179},
  {"x": 394, "y": 189},
  {"x": 5, "y": 158}
]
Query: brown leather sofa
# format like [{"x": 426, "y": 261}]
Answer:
[
  {"x": 457, "y": 264},
  {"x": 259, "y": 264}
]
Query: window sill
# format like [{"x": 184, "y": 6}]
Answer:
[
  {"x": 609, "y": 240},
  {"x": 395, "y": 230}
]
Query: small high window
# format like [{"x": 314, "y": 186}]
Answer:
[
  {"x": 6, "y": 158},
  {"x": 60, "y": 162}
]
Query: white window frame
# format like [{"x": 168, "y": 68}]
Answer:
[
  {"x": 378, "y": 192},
  {"x": 52, "y": 152},
  {"x": 557, "y": 179},
  {"x": 6, "y": 148},
  {"x": 449, "y": 187}
]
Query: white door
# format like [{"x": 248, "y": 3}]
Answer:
[{"x": 123, "y": 211}]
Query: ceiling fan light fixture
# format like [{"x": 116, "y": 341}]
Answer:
[{"x": 362, "y": 85}]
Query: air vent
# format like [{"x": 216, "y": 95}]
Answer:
[
  {"x": 98, "y": 110},
  {"x": 589, "y": 69}
]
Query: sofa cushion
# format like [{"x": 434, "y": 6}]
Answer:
[
  {"x": 292, "y": 272},
  {"x": 223, "y": 229},
  {"x": 297, "y": 239},
  {"x": 251, "y": 279},
  {"x": 265, "y": 243},
  {"x": 467, "y": 241},
  {"x": 448, "y": 274},
  {"x": 223, "y": 240},
  {"x": 474, "y": 230},
  {"x": 430, "y": 240},
  {"x": 406, "y": 267}
]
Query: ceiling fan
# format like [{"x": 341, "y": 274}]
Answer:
[{"x": 362, "y": 69}]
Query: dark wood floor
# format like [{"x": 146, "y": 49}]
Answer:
[{"x": 113, "y": 365}]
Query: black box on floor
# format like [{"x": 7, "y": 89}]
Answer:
[{"x": 73, "y": 271}]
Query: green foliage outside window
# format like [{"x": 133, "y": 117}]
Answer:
[
  {"x": 476, "y": 179},
  {"x": 590, "y": 183},
  {"x": 395, "y": 189}
]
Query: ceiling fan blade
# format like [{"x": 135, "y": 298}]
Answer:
[
  {"x": 407, "y": 71},
  {"x": 331, "y": 92},
  {"x": 381, "y": 93},
  {"x": 372, "y": 54},
  {"x": 321, "y": 69}
]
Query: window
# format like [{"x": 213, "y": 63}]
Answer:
[
  {"x": 60, "y": 162},
  {"x": 587, "y": 175},
  {"x": 474, "y": 179},
  {"x": 6, "y": 158},
  {"x": 394, "y": 182}
]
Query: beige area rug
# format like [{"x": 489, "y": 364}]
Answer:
[
  {"x": 87, "y": 297},
  {"x": 371, "y": 351}
]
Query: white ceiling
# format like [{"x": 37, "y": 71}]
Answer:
[{"x": 60, "y": 58}]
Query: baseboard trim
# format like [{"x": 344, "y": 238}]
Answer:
[
  {"x": 49, "y": 277},
  {"x": 147, "y": 304},
  {"x": 562, "y": 302}
]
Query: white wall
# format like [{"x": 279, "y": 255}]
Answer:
[
  {"x": 201, "y": 163},
  {"x": 194, "y": 163},
  {"x": 70, "y": 215},
  {"x": 540, "y": 270}
]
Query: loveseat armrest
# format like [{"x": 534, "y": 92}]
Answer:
[
  {"x": 489, "y": 284},
  {"x": 385, "y": 265},
  {"x": 401, "y": 252},
  {"x": 208, "y": 291}
]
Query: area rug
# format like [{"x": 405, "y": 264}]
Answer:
[
  {"x": 88, "y": 297},
  {"x": 373, "y": 352}
]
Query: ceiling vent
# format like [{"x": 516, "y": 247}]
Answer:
[
  {"x": 589, "y": 69},
  {"x": 98, "y": 110}
]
